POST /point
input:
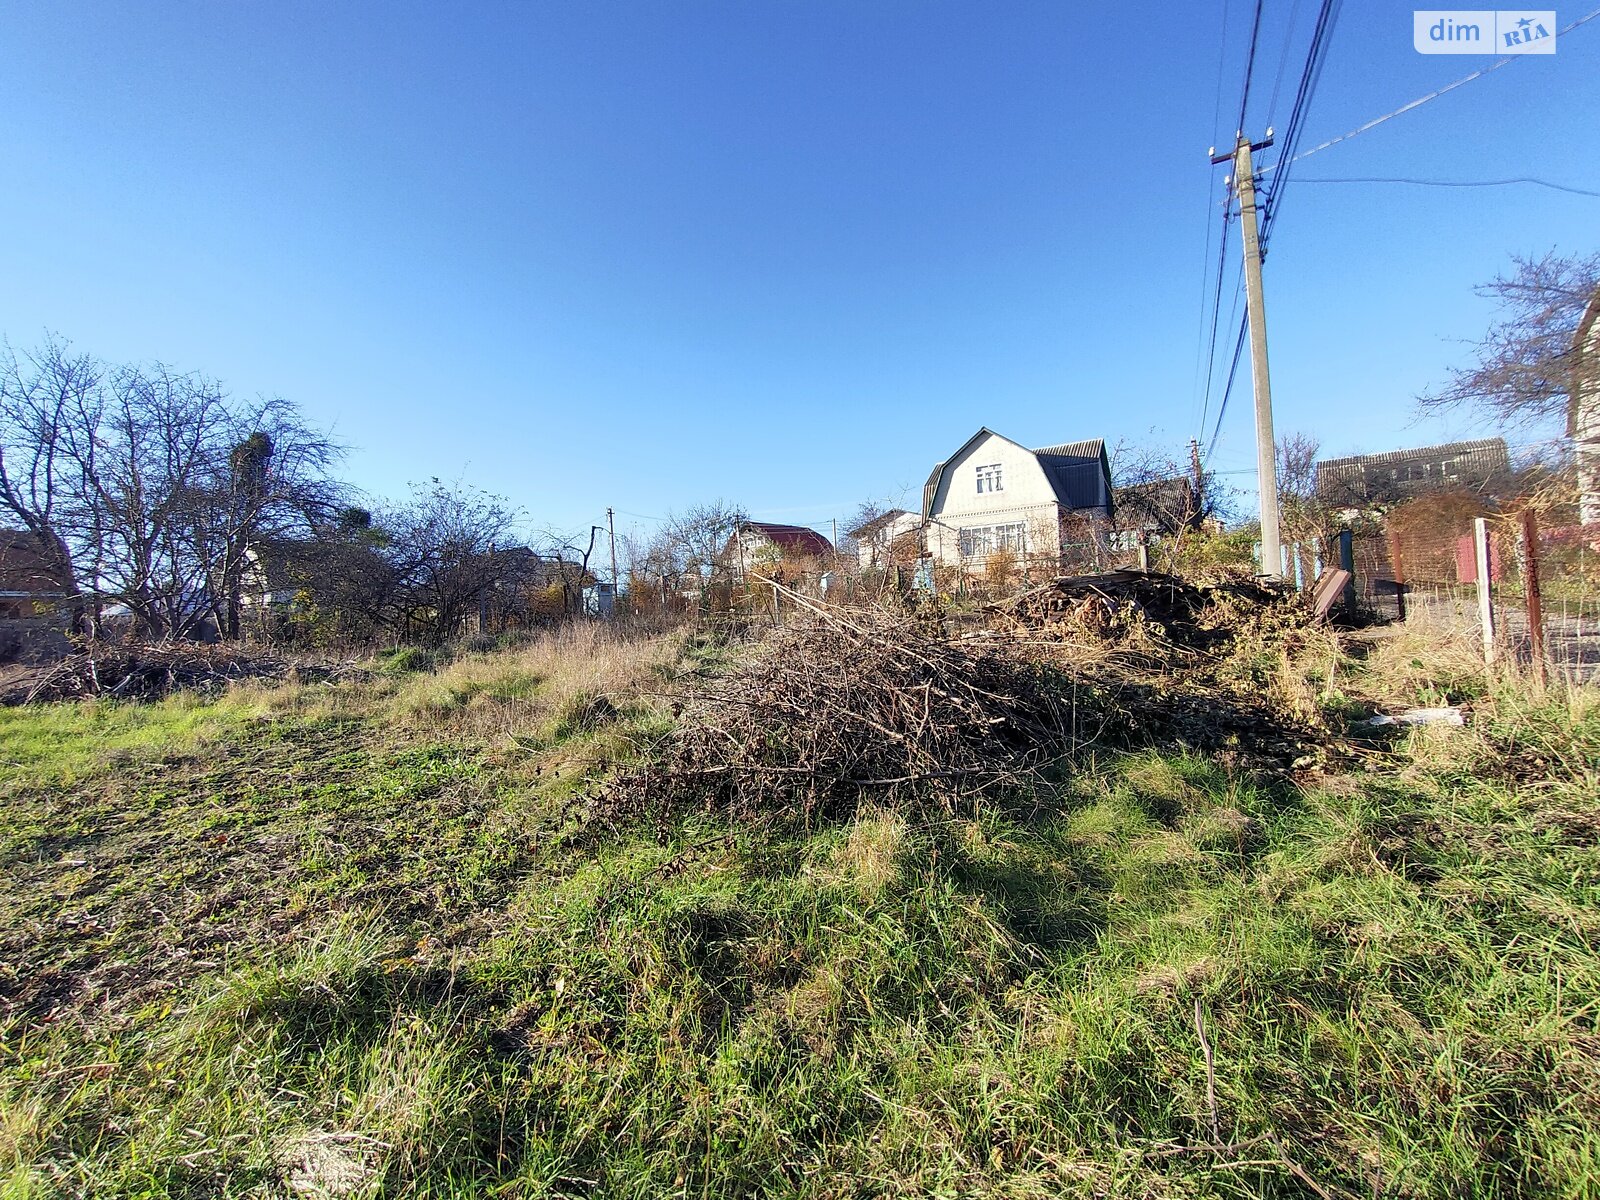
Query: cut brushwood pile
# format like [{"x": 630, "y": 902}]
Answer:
[
  {"x": 1120, "y": 605},
  {"x": 150, "y": 670},
  {"x": 845, "y": 703}
]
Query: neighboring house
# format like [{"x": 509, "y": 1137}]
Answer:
[
  {"x": 994, "y": 494},
  {"x": 1363, "y": 480},
  {"x": 265, "y": 580},
  {"x": 879, "y": 539},
  {"x": 1583, "y": 413},
  {"x": 761, "y": 543},
  {"x": 27, "y": 582},
  {"x": 1156, "y": 509},
  {"x": 33, "y": 621}
]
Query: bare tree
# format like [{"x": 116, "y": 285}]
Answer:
[
  {"x": 45, "y": 395},
  {"x": 1522, "y": 373},
  {"x": 441, "y": 547},
  {"x": 273, "y": 485},
  {"x": 146, "y": 487},
  {"x": 1301, "y": 514},
  {"x": 698, "y": 540}
]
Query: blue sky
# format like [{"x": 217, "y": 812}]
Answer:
[{"x": 786, "y": 253}]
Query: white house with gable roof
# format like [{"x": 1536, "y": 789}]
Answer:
[{"x": 996, "y": 494}]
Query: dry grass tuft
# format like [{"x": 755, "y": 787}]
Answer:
[
  {"x": 572, "y": 680},
  {"x": 870, "y": 857}
]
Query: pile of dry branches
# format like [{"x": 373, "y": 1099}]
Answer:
[
  {"x": 846, "y": 700},
  {"x": 150, "y": 670},
  {"x": 854, "y": 702},
  {"x": 1121, "y": 604}
]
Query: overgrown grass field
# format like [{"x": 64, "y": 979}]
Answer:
[{"x": 367, "y": 940}]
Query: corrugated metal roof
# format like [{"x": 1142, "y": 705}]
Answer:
[
  {"x": 1091, "y": 448},
  {"x": 1494, "y": 446},
  {"x": 1078, "y": 473},
  {"x": 796, "y": 538}
]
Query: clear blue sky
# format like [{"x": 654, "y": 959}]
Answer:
[{"x": 786, "y": 253}]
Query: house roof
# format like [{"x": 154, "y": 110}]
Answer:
[
  {"x": 881, "y": 521},
  {"x": 1159, "y": 503},
  {"x": 1495, "y": 447},
  {"x": 1078, "y": 472},
  {"x": 795, "y": 539},
  {"x": 1393, "y": 475}
]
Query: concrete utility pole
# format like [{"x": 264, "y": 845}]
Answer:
[
  {"x": 611, "y": 532},
  {"x": 1199, "y": 477},
  {"x": 1244, "y": 181}
]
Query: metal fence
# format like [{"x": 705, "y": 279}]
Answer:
[{"x": 1539, "y": 600}]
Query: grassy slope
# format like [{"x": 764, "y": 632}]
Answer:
[{"x": 355, "y": 941}]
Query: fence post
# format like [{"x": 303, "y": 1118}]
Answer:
[
  {"x": 1397, "y": 570},
  {"x": 1480, "y": 545},
  {"x": 1347, "y": 560},
  {"x": 1531, "y": 593}
]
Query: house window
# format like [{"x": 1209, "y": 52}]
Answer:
[
  {"x": 989, "y": 479},
  {"x": 984, "y": 540}
]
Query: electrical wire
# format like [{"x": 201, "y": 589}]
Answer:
[
  {"x": 1283, "y": 56},
  {"x": 1216, "y": 313},
  {"x": 1310, "y": 76},
  {"x": 1316, "y": 55},
  {"x": 1458, "y": 183},
  {"x": 1222, "y": 57},
  {"x": 1233, "y": 370},
  {"x": 1210, "y": 349},
  {"x": 1205, "y": 288},
  {"x": 1250, "y": 62},
  {"x": 1285, "y": 162}
]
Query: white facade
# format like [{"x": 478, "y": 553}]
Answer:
[
  {"x": 872, "y": 549},
  {"x": 995, "y": 494},
  {"x": 1583, "y": 417}
]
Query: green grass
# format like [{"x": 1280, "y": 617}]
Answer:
[{"x": 255, "y": 948}]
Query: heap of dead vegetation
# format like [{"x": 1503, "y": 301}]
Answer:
[
  {"x": 151, "y": 670},
  {"x": 1175, "y": 613},
  {"x": 845, "y": 703}
]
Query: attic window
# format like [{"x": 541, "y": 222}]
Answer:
[{"x": 989, "y": 479}]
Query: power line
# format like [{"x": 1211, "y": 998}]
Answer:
[
  {"x": 1458, "y": 183},
  {"x": 1205, "y": 253},
  {"x": 1310, "y": 75},
  {"x": 1420, "y": 100},
  {"x": 1216, "y": 313},
  {"x": 1315, "y": 56},
  {"x": 1205, "y": 281},
  {"x": 1250, "y": 61},
  {"x": 1283, "y": 57},
  {"x": 1222, "y": 56},
  {"x": 1233, "y": 370}
]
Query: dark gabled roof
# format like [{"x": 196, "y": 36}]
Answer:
[
  {"x": 1078, "y": 472},
  {"x": 879, "y": 522},
  {"x": 792, "y": 539}
]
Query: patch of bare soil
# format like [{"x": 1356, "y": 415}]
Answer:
[{"x": 116, "y": 893}]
